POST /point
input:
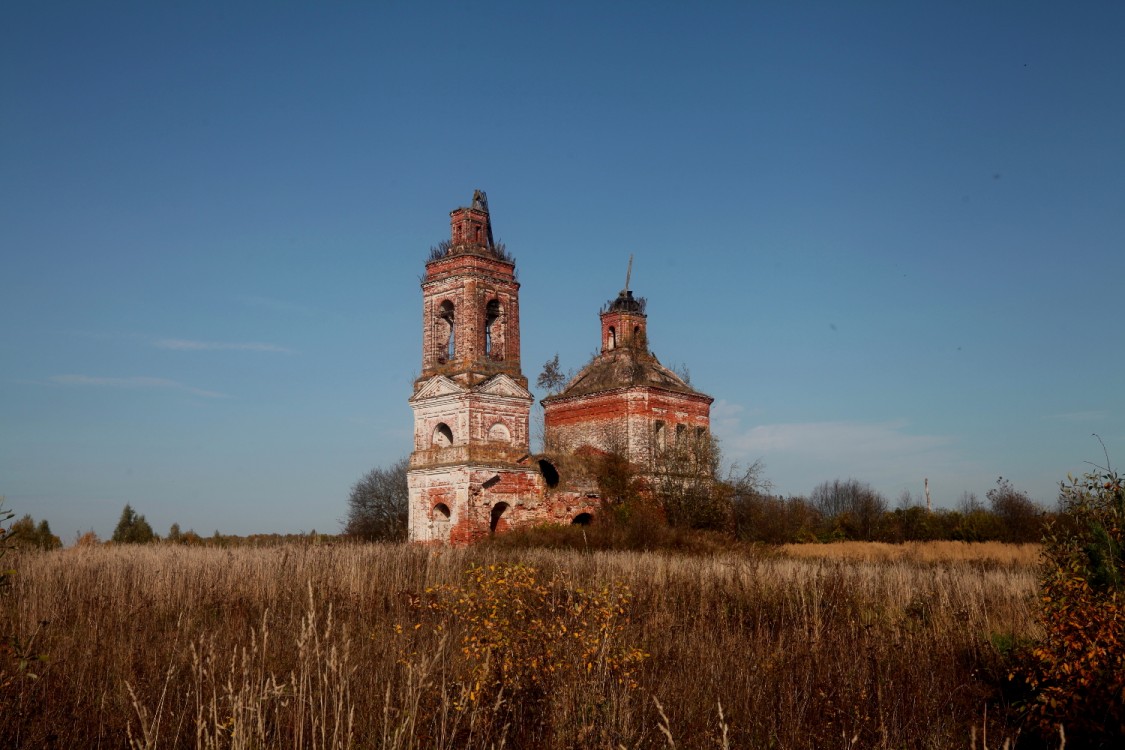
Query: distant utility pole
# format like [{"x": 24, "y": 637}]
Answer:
[{"x": 929, "y": 508}]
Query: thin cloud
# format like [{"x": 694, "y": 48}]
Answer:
[
  {"x": 840, "y": 439},
  {"x": 188, "y": 345},
  {"x": 797, "y": 455},
  {"x": 135, "y": 383},
  {"x": 727, "y": 416}
]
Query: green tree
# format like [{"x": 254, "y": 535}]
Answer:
[
  {"x": 552, "y": 377},
  {"x": 378, "y": 506},
  {"x": 1018, "y": 517},
  {"x": 26, "y": 533},
  {"x": 132, "y": 528}
]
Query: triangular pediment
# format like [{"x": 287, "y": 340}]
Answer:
[
  {"x": 502, "y": 385},
  {"x": 438, "y": 385}
]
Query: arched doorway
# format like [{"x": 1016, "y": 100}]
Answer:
[
  {"x": 439, "y": 519},
  {"x": 494, "y": 518}
]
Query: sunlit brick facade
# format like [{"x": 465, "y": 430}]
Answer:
[{"x": 471, "y": 470}]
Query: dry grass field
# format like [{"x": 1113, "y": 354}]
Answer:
[
  {"x": 346, "y": 646},
  {"x": 1020, "y": 555}
]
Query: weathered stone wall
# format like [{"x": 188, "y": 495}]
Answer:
[
  {"x": 473, "y": 419},
  {"x": 625, "y": 421},
  {"x": 483, "y": 500},
  {"x": 470, "y": 282},
  {"x": 470, "y": 473},
  {"x": 624, "y": 329}
]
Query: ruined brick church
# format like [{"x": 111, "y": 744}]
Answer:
[{"x": 472, "y": 472}]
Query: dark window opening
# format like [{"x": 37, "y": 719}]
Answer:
[
  {"x": 441, "y": 512},
  {"x": 494, "y": 518},
  {"x": 549, "y": 472},
  {"x": 612, "y": 344},
  {"x": 582, "y": 519},
  {"x": 443, "y": 436},
  {"x": 449, "y": 347},
  {"x": 659, "y": 430},
  {"x": 491, "y": 315},
  {"x": 680, "y": 430}
]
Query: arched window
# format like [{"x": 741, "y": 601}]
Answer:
[
  {"x": 493, "y": 334},
  {"x": 611, "y": 340},
  {"x": 439, "y": 523},
  {"x": 448, "y": 348},
  {"x": 498, "y": 433},
  {"x": 443, "y": 436},
  {"x": 658, "y": 431},
  {"x": 494, "y": 518}
]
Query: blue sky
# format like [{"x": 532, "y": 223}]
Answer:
[{"x": 886, "y": 237}]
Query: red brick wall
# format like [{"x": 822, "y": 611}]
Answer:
[
  {"x": 522, "y": 490},
  {"x": 470, "y": 282},
  {"x": 629, "y": 329},
  {"x": 629, "y": 416},
  {"x": 468, "y": 226}
]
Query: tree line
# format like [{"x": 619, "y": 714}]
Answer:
[
  {"x": 851, "y": 510},
  {"x": 687, "y": 489}
]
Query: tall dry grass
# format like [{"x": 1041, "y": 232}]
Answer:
[
  {"x": 342, "y": 647},
  {"x": 998, "y": 553}
]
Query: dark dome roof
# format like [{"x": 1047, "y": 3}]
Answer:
[
  {"x": 623, "y": 368},
  {"x": 626, "y": 302}
]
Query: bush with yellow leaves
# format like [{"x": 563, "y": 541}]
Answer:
[
  {"x": 526, "y": 640},
  {"x": 1076, "y": 673}
]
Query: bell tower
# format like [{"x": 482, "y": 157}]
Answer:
[
  {"x": 469, "y": 472},
  {"x": 470, "y": 303},
  {"x": 624, "y": 323}
]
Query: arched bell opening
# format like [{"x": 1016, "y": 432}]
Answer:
[
  {"x": 493, "y": 330},
  {"x": 447, "y": 338}
]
